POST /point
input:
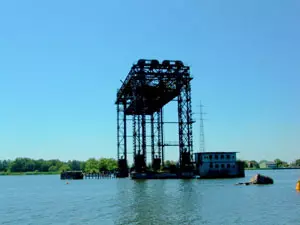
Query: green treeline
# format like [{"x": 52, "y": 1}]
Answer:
[
  {"x": 31, "y": 166},
  {"x": 21, "y": 165},
  {"x": 252, "y": 164}
]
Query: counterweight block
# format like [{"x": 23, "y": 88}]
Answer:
[
  {"x": 139, "y": 163},
  {"x": 156, "y": 164},
  {"x": 122, "y": 168}
]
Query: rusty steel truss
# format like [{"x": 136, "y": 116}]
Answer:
[{"x": 148, "y": 87}]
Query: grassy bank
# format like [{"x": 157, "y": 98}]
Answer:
[{"x": 27, "y": 173}]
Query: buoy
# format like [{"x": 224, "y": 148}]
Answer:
[{"x": 298, "y": 185}]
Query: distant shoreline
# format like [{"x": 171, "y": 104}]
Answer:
[
  {"x": 27, "y": 173},
  {"x": 280, "y": 168}
]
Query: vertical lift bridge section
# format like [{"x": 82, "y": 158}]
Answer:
[{"x": 148, "y": 87}]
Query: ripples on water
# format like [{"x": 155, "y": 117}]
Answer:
[{"x": 48, "y": 200}]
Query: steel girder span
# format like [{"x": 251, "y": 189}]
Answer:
[{"x": 148, "y": 87}]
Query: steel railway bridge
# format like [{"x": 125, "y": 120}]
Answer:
[{"x": 148, "y": 87}]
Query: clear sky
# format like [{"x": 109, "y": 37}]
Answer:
[{"x": 61, "y": 63}]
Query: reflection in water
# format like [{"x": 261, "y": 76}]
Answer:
[
  {"x": 142, "y": 200},
  {"x": 146, "y": 200},
  {"x": 161, "y": 202},
  {"x": 189, "y": 201},
  {"x": 124, "y": 193}
]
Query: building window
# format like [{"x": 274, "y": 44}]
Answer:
[
  {"x": 233, "y": 156},
  {"x": 217, "y": 166},
  {"x": 228, "y": 156},
  {"x": 222, "y": 156},
  {"x": 228, "y": 165},
  {"x": 216, "y": 156},
  {"x": 210, "y": 157},
  {"x": 210, "y": 165},
  {"x": 222, "y": 165},
  {"x": 233, "y": 166}
]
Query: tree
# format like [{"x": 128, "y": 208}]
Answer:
[
  {"x": 169, "y": 163},
  {"x": 251, "y": 164},
  {"x": 4, "y": 165},
  {"x": 64, "y": 167},
  {"x": 42, "y": 165},
  {"x": 112, "y": 164},
  {"x": 29, "y": 165},
  {"x": 296, "y": 163},
  {"x": 107, "y": 164},
  {"x": 82, "y": 166},
  {"x": 254, "y": 164},
  {"x": 74, "y": 164},
  {"x": 92, "y": 165},
  {"x": 18, "y": 165},
  {"x": 55, "y": 165},
  {"x": 281, "y": 163},
  {"x": 55, "y": 162},
  {"x": 103, "y": 164},
  {"x": 53, "y": 169},
  {"x": 242, "y": 162},
  {"x": 149, "y": 165}
]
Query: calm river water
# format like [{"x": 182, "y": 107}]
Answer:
[{"x": 48, "y": 200}]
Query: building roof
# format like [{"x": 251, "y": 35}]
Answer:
[
  {"x": 270, "y": 162},
  {"x": 214, "y": 152}
]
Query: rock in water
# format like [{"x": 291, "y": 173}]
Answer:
[{"x": 261, "y": 179}]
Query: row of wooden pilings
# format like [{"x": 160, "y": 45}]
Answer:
[{"x": 99, "y": 175}]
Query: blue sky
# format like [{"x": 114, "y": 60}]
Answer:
[{"x": 61, "y": 63}]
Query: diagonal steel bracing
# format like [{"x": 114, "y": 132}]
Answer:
[{"x": 149, "y": 86}]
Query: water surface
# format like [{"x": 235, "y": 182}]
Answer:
[{"x": 49, "y": 200}]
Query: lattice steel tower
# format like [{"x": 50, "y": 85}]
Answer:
[
  {"x": 148, "y": 87},
  {"x": 201, "y": 140}
]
